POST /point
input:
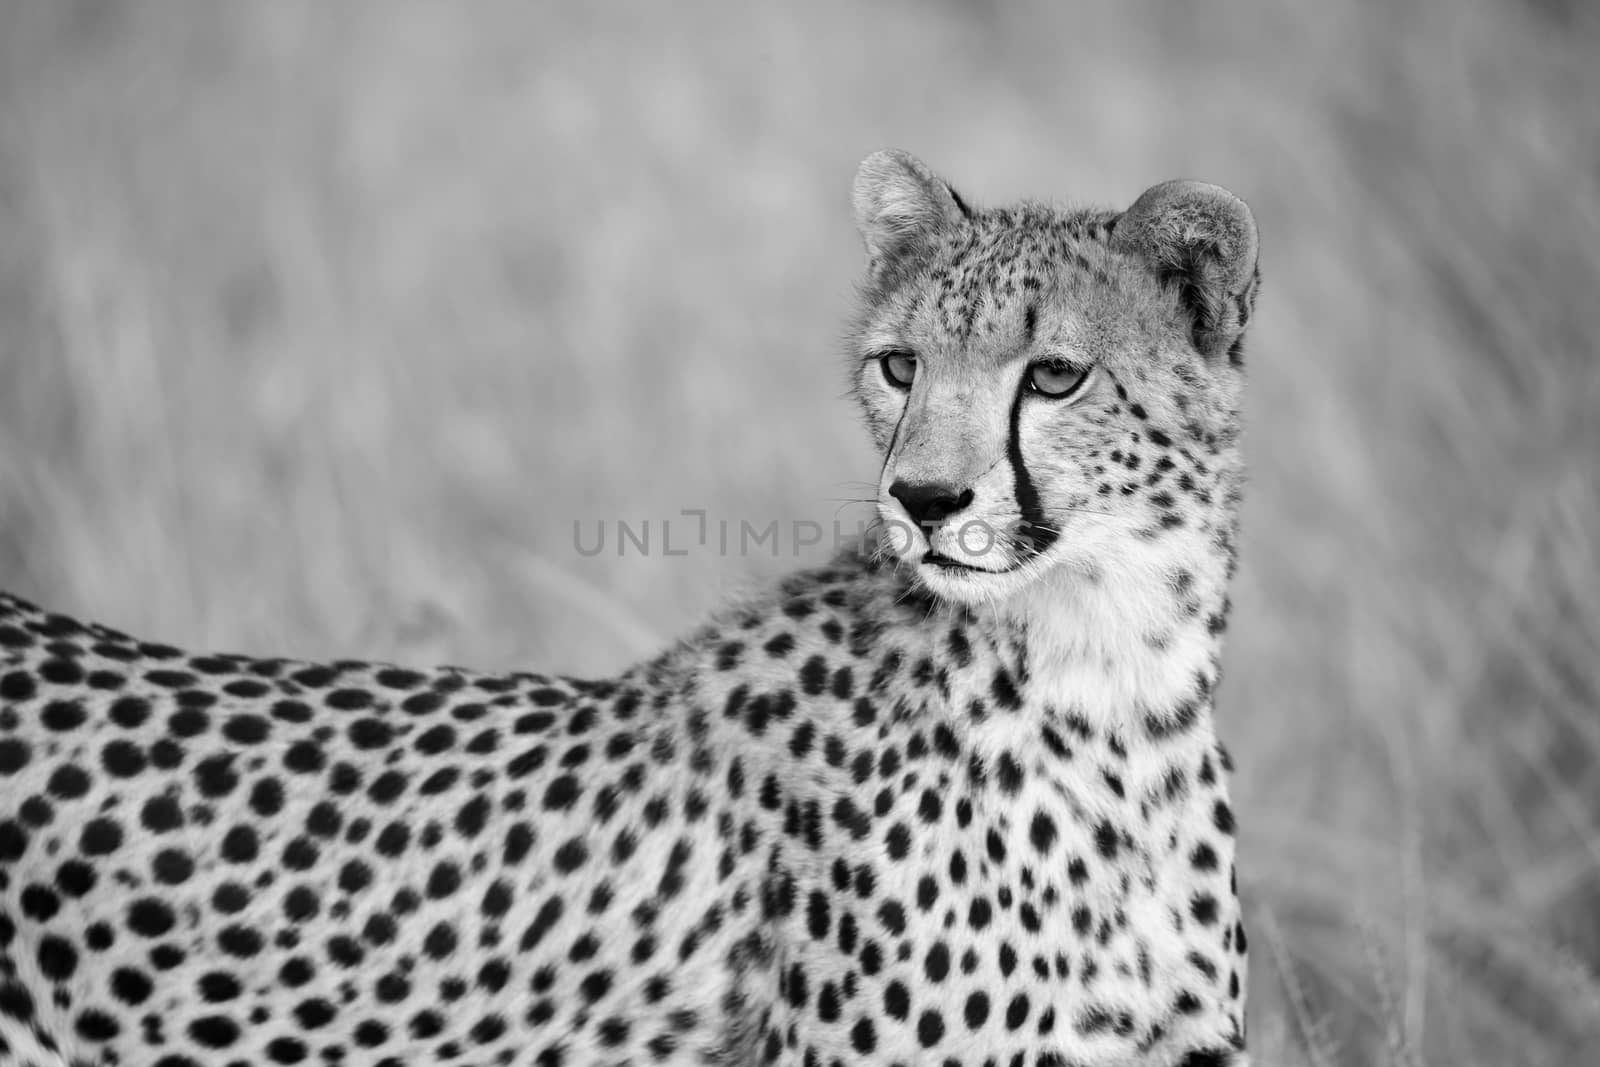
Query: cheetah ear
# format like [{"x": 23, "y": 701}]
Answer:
[
  {"x": 900, "y": 203},
  {"x": 1202, "y": 239}
]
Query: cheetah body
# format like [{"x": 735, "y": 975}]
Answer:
[{"x": 863, "y": 818}]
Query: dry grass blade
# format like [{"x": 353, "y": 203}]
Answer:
[
  {"x": 1397, "y": 1036},
  {"x": 1317, "y": 1045}
]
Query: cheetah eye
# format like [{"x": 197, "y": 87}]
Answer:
[
  {"x": 1056, "y": 380},
  {"x": 900, "y": 368}
]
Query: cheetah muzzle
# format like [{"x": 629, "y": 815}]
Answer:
[{"x": 956, "y": 800}]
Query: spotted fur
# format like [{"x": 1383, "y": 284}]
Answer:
[{"x": 922, "y": 806}]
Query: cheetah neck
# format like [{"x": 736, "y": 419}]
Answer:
[{"x": 1130, "y": 642}]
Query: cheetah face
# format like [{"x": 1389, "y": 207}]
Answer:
[{"x": 1044, "y": 383}]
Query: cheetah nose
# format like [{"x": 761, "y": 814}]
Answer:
[{"x": 929, "y": 502}]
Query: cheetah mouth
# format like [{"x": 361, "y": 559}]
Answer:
[{"x": 949, "y": 565}]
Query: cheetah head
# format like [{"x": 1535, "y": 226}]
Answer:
[{"x": 1048, "y": 387}]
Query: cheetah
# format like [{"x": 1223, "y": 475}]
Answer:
[{"x": 953, "y": 798}]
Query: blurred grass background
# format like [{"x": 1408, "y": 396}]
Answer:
[{"x": 320, "y": 325}]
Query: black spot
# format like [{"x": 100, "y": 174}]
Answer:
[
  {"x": 214, "y": 1031},
  {"x": 350, "y": 700},
  {"x": 291, "y": 711},
  {"x": 392, "y": 989},
  {"x": 101, "y": 837},
  {"x": 936, "y": 965},
  {"x": 440, "y": 942},
  {"x": 304, "y": 757},
  {"x": 300, "y": 904},
  {"x": 215, "y": 777},
  {"x": 216, "y": 987},
  {"x": 862, "y": 1036},
  {"x": 672, "y": 876},
  {"x": 130, "y": 713},
  {"x": 37, "y": 811},
  {"x": 396, "y": 678},
  {"x": 1042, "y": 832},
  {"x": 75, "y": 878},
  {"x": 898, "y": 841},
  {"x": 549, "y": 914},
  {"x": 828, "y": 1003},
  {"x": 1207, "y": 1057},
  {"x": 63, "y": 715},
  {"x": 167, "y": 679},
  {"x": 896, "y": 1001},
  {"x": 130, "y": 986},
  {"x": 436, "y": 739},
  {"x": 386, "y": 788},
  {"x": 246, "y": 729},
  {"x": 595, "y": 985},
  {"x": 814, "y": 676},
  {"x": 122, "y": 759},
  {"x": 1008, "y": 773},
  {"x": 230, "y": 898},
  {"x": 572, "y": 854},
  {"x": 240, "y": 845},
  {"x": 95, "y": 1025},
  {"x": 171, "y": 866},
  {"x": 314, "y": 1013},
  {"x": 296, "y": 972},
  {"x": 13, "y": 841},
  {"x": 369, "y": 733},
  {"x": 424, "y": 703},
  {"x": 370, "y": 1033},
  {"x": 61, "y": 672},
  {"x": 562, "y": 793},
  {"x": 266, "y": 797},
  {"x": 977, "y": 1010},
  {"x": 14, "y": 755},
  {"x": 57, "y": 958},
  {"x": 40, "y": 903},
  {"x": 1004, "y": 690},
  {"x": 17, "y": 687},
  {"x": 188, "y": 722},
  {"x": 149, "y": 917}
]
